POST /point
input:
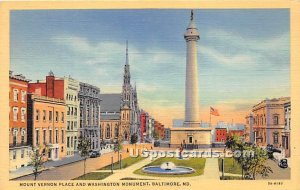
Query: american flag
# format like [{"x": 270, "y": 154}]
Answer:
[{"x": 214, "y": 111}]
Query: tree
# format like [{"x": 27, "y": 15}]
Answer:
[
  {"x": 252, "y": 163},
  {"x": 155, "y": 135},
  {"x": 118, "y": 147},
  {"x": 84, "y": 147},
  {"x": 37, "y": 160}
]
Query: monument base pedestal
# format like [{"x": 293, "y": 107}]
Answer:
[{"x": 192, "y": 124}]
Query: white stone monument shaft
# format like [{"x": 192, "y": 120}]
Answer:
[{"x": 191, "y": 82}]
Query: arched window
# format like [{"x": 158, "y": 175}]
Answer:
[
  {"x": 107, "y": 131},
  {"x": 116, "y": 131}
]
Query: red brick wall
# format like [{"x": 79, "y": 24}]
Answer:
[
  {"x": 142, "y": 125},
  {"x": 52, "y": 88},
  {"x": 221, "y": 134},
  {"x": 20, "y": 86}
]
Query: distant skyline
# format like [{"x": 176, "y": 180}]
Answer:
[{"x": 243, "y": 54}]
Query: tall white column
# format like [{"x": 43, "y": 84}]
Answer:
[{"x": 191, "y": 82}]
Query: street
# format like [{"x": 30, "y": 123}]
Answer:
[
  {"x": 73, "y": 170},
  {"x": 278, "y": 173}
]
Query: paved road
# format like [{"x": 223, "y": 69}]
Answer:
[
  {"x": 278, "y": 173},
  {"x": 73, "y": 170}
]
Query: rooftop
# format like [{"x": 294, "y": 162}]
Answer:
[{"x": 110, "y": 102}]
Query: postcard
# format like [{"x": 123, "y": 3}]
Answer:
[{"x": 140, "y": 95}]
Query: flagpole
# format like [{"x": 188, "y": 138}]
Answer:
[{"x": 210, "y": 117}]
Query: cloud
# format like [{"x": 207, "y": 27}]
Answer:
[{"x": 232, "y": 50}]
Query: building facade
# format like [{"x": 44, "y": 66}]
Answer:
[
  {"x": 287, "y": 129},
  {"x": 89, "y": 97},
  {"x": 221, "y": 135},
  {"x": 18, "y": 147},
  {"x": 71, "y": 91},
  {"x": 159, "y": 130},
  {"x": 269, "y": 122},
  {"x": 167, "y": 134},
  {"x": 47, "y": 125},
  {"x": 110, "y": 118},
  {"x": 64, "y": 88}
]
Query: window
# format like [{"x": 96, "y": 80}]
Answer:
[
  {"x": 68, "y": 125},
  {"x": 23, "y": 96},
  {"x": 275, "y": 120},
  {"x": 23, "y": 112},
  {"x": 75, "y": 112},
  {"x": 37, "y": 115},
  {"x": 22, "y": 153},
  {"x": 16, "y": 95},
  {"x": 68, "y": 112},
  {"x": 50, "y": 136},
  {"x": 14, "y": 154},
  {"x": 72, "y": 125},
  {"x": 56, "y": 116},
  {"x": 71, "y": 141},
  {"x": 62, "y": 149},
  {"x": 62, "y": 136},
  {"x": 44, "y": 136},
  {"x": 50, "y": 116},
  {"x": 56, "y": 136},
  {"x": 37, "y": 137},
  {"x": 44, "y": 115},
  {"x": 23, "y": 133},
  {"x": 68, "y": 142},
  {"x": 275, "y": 136},
  {"x": 62, "y": 116},
  {"x": 15, "y": 137},
  {"x": 190, "y": 139},
  {"x": 107, "y": 132},
  {"x": 116, "y": 131},
  {"x": 15, "y": 115}
]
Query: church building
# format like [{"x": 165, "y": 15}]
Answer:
[{"x": 120, "y": 112}]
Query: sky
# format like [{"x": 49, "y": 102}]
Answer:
[{"x": 243, "y": 54}]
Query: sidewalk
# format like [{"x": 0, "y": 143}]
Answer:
[
  {"x": 211, "y": 170},
  {"x": 51, "y": 164},
  {"x": 128, "y": 172}
]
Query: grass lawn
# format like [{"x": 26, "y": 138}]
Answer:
[
  {"x": 197, "y": 164},
  {"x": 231, "y": 166},
  {"x": 125, "y": 163},
  {"x": 94, "y": 176}
]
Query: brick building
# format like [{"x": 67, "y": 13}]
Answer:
[
  {"x": 18, "y": 147},
  {"x": 221, "y": 135},
  {"x": 47, "y": 125},
  {"x": 159, "y": 129}
]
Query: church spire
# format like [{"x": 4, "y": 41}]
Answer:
[
  {"x": 126, "y": 68},
  {"x": 127, "y": 59},
  {"x": 126, "y": 90}
]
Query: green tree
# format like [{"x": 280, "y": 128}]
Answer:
[
  {"x": 256, "y": 165},
  {"x": 155, "y": 135},
  {"x": 84, "y": 147},
  {"x": 118, "y": 147},
  {"x": 252, "y": 158},
  {"x": 37, "y": 160}
]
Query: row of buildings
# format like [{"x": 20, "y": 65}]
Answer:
[
  {"x": 269, "y": 123},
  {"x": 57, "y": 111}
]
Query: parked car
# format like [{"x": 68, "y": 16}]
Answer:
[
  {"x": 283, "y": 163},
  {"x": 95, "y": 154}
]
